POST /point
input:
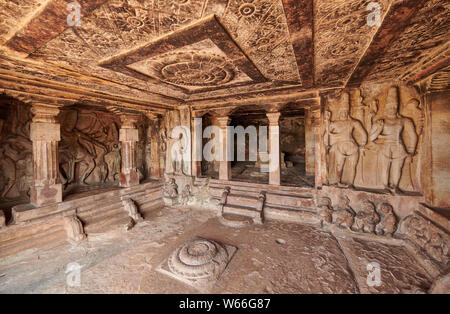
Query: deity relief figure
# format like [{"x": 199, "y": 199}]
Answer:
[
  {"x": 113, "y": 160},
  {"x": 395, "y": 138},
  {"x": 8, "y": 169},
  {"x": 343, "y": 138},
  {"x": 366, "y": 218}
]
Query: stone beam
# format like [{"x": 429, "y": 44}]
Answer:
[
  {"x": 299, "y": 14},
  {"x": 393, "y": 25},
  {"x": 47, "y": 24}
]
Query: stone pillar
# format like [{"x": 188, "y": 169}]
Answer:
[
  {"x": 129, "y": 135},
  {"x": 274, "y": 148},
  {"x": 319, "y": 150},
  {"x": 197, "y": 147},
  {"x": 309, "y": 144},
  {"x": 155, "y": 167},
  {"x": 225, "y": 162},
  {"x": 45, "y": 135}
]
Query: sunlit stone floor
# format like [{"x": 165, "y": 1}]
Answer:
[{"x": 272, "y": 258}]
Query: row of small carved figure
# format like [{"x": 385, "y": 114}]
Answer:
[
  {"x": 171, "y": 191},
  {"x": 379, "y": 220}
]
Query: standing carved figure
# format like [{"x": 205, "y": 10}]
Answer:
[
  {"x": 388, "y": 223},
  {"x": 8, "y": 169},
  {"x": 343, "y": 216},
  {"x": 113, "y": 161},
  {"x": 343, "y": 138},
  {"x": 366, "y": 218},
  {"x": 395, "y": 138}
]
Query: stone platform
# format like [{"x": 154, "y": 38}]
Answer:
[{"x": 97, "y": 211}]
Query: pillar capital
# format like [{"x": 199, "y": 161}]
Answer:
[
  {"x": 223, "y": 121},
  {"x": 43, "y": 113},
  {"x": 274, "y": 118},
  {"x": 152, "y": 116},
  {"x": 129, "y": 120}
]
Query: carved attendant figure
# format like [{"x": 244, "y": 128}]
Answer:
[
  {"x": 343, "y": 148},
  {"x": 366, "y": 218},
  {"x": 325, "y": 210},
  {"x": 171, "y": 188},
  {"x": 186, "y": 195},
  {"x": 395, "y": 138},
  {"x": 344, "y": 215},
  {"x": 387, "y": 225}
]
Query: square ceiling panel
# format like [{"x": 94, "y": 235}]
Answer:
[{"x": 197, "y": 58}]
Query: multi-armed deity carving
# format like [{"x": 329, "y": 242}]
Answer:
[{"x": 377, "y": 147}]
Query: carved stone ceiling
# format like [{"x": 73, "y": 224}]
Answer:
[{"x": 199, "y": 49}]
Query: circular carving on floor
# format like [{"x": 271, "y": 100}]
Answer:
[
  {"x": 192, "y": 69},
  {"x": 247, "y": 9},
  {"x": 134, "y": 22},
  {"x": 198, "y": 258}
]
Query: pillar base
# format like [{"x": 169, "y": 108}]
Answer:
[
  {"x": 45, "y": 195},
  {"x": 155, "y": 173},
  {"x": 129, "y": 179}
]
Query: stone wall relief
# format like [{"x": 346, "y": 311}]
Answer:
[
  {"x": 373, "y": 139},
  {"x": 344, "y": 138},
  {"x": 432, "y": 239},
  {"x": 89, "y": 150},
  {"x": 16, "y": 167},
  {"x": 377, "y": 218}
]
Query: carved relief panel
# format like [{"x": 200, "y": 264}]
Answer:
[
  {"x": 89, "y": 150},
  {"x": 373, "y": 138}
]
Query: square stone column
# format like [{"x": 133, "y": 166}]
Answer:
[
  {"x": 274, "y": 148},
  {"x": 128, "y": 136},
  {"x": 45, "y": 135},
  {"x": 319, "y": 150},
  {"x": 197, "y": 146},
  {"x": 155, "y": 168},
  {"x": 309, "y": 144},
  {"x": 225, "y": 160}
]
